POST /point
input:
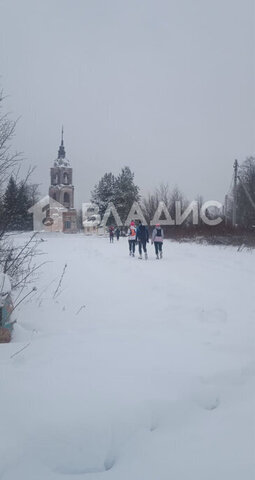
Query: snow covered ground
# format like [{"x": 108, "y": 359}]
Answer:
[{"x": 136, "y": 370}]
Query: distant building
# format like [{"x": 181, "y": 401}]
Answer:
[
  {"x": 61, "y": 175},
  {"x": 56, "y": 212}
]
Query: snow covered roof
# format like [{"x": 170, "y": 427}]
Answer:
[{"x": 47, "y": 200}]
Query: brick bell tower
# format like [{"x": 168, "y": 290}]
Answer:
[{"x": 61, "y": 187}]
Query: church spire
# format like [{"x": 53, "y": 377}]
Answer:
[{"x": 61, "y": 150}]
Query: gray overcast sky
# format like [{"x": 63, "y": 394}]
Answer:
[{"x": 164, "y": 86}]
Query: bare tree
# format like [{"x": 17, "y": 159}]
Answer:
[
  {"x": 150, "y": 205},
  {"x": 16, "y": 260},
  {"x": 33, "y": 194},
  {"x": 199, "y": 199},
  {"x": 246, "y": 193},
  {"x": 151, "y": 202},
  {"x": 8, "y": 159},
  {"x": 164, "y": 195}
]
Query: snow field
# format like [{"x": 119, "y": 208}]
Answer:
[{"x": 135, "y": 370}]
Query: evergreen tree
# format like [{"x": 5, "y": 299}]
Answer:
[
  {"x": 24, "y": 219},
  {"x": 10, "y": 205},
  {"x": 121, "y": 191},
  {"x": 126, "y": 192},
  {"x": 15, "y": 207},
  {"x": 104, "y": 192}
]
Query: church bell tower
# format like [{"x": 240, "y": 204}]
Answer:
[{"x": 61, "y": 185}]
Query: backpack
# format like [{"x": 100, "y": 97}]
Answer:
[
  {"x": 159, "y": 233},
  {"x": 132, "y": 232},
  {"x": 142, "y": 233}
]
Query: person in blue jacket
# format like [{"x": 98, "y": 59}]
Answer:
[{"x": 142, "y": 237}]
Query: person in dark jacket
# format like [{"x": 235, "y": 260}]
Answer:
[
  {"x": 111, "y": 233},
  {"x": 117, "y": 233},
  {"x": 142, "y": 237},
  {"x": 157, "y": 238}
]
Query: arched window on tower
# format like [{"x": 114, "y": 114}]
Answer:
[
  {"x": 66, "y": 198},
  {"x": 55, "y": 181},
  {"x": 66, "y": 179}
]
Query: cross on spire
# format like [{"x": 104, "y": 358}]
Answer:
[{"x": 61, "y": 150}]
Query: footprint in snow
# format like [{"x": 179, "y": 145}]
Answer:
[{"x": 208, "y": 398}]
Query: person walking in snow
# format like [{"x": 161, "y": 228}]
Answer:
[
  {"x": 142, "y": 237},
  {"x": 117, "y": 233},
  {"x": 132, "y": 239},
  {"x": 157, "y": 238},
  {"x": 111, "y": 233}
]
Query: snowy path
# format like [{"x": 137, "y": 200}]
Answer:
[{"x": 136, "y": 370}]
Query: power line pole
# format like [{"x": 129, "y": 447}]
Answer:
[
  {"x": 235, "y": 193},
  {"x": 226, "y": 209}
]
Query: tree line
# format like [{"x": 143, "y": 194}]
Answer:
[
  {"x": 18, "y": 195},
  {"x": 123, "y": 192},
  {"x": 245, "y": 194}
]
